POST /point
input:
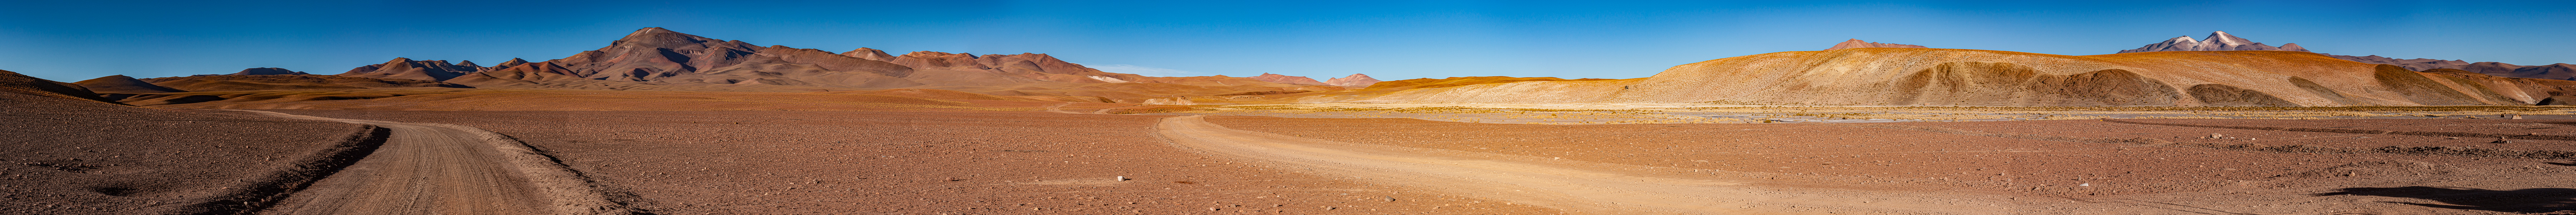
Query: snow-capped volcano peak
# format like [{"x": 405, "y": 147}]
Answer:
[{"x": 2217, "y": 41}]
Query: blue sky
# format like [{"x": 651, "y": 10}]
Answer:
[{"x": 70, "y": 41}]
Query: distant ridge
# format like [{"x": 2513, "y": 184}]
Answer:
[
  {"x": 264, "y": 71},
  {"x": 405, "y": 68},
  {"x": 1285, "y": 79},
  {"x": 1856, "y": 43},
  {"x": 2560, "y": 71}
]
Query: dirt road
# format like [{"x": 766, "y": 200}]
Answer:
[
  {"x": 1059, "y": 108},
  {"x": 443, "y": 169},
  {"x": 1580, "y": 187}
]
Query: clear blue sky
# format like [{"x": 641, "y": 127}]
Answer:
[{"x": 76, "y": 40}]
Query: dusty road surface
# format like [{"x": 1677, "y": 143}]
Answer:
[
  {"x": 431, "y": 169},
  {"x": 1571, "y": 186},
  {"x": 1059, "y": 108}
]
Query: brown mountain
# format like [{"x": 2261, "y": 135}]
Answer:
[
  {"x": 504, "y": 64},
  {"x": 1354, "y": 80},
  {"x": 405, "y": 68},
  {"x": 2491, "y": 68},
  {"x": 869, "y": 53},
  {"x": 660, "y": 59},
  {"x": 1856, "y": 43},
  {"x": 123, "y": 84},
  {"x": 1285, "y": 79},
  {"x": 2560, "y": 71},
  {"x": 12, "y": 82}
]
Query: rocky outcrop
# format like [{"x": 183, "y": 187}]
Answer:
[
  {"x": 405, "y": 68},
  {"x": 1354, "y": 80},
  {"x": 1856, "y": 43},
  {"x": 2217, "y": 41},
  {"x": 123, "y": 84},
  {"x": 1960, "y": 77},
  {"x": 1285, "y": 79}
]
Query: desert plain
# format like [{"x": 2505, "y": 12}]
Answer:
[{"x": 662, "y": 122}]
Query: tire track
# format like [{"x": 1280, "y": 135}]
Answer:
[
  {"x": 1059, "y": 108},
  {"x": 428, "y": 168}
]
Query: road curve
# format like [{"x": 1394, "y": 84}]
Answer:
[
  {"x": 446, "y": 169},
  {"x": 1569, "y": 186},
  {"x": 1059, "y": 108},
  {"x": 1106, "y": 110}
]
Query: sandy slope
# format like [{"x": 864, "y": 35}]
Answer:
[{"x": 1572, "y": 186}]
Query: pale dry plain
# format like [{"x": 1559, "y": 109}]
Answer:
[{"x": 1067, "y": 159}]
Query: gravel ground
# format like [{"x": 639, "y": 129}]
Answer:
[
  {"x": 835, "y": 162},
  {"x": 80, "y": 157},
  {"x": 2088, "y": 162}
]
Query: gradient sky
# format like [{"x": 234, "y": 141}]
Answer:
[{"x": 77, "y": 40}]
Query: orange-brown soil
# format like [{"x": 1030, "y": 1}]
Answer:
[
  {"x": 65, "y": 156},
  {"x": 2053, "y": 167},
  {"x": 842, "y": 162}
]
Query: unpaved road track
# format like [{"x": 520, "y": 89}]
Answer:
[
  {"x": 434, "y": 169},
  {"x": 1059, "y": 108},
  {"x": 1106, "y": 110},
  {"x": 1570, "y": 186}
]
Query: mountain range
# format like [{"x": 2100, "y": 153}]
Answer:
[
  {"x": 657, "y": 59},
  {"x": 1964, "y": 77},
  {"x": 2558, "y": 71},
  {"x": 2218, "y": 71}
]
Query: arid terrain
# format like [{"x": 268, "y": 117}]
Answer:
[{"x": 661, "y": 122}]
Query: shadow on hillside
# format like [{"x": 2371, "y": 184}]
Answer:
[{"x": 2535, "y": 200}]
